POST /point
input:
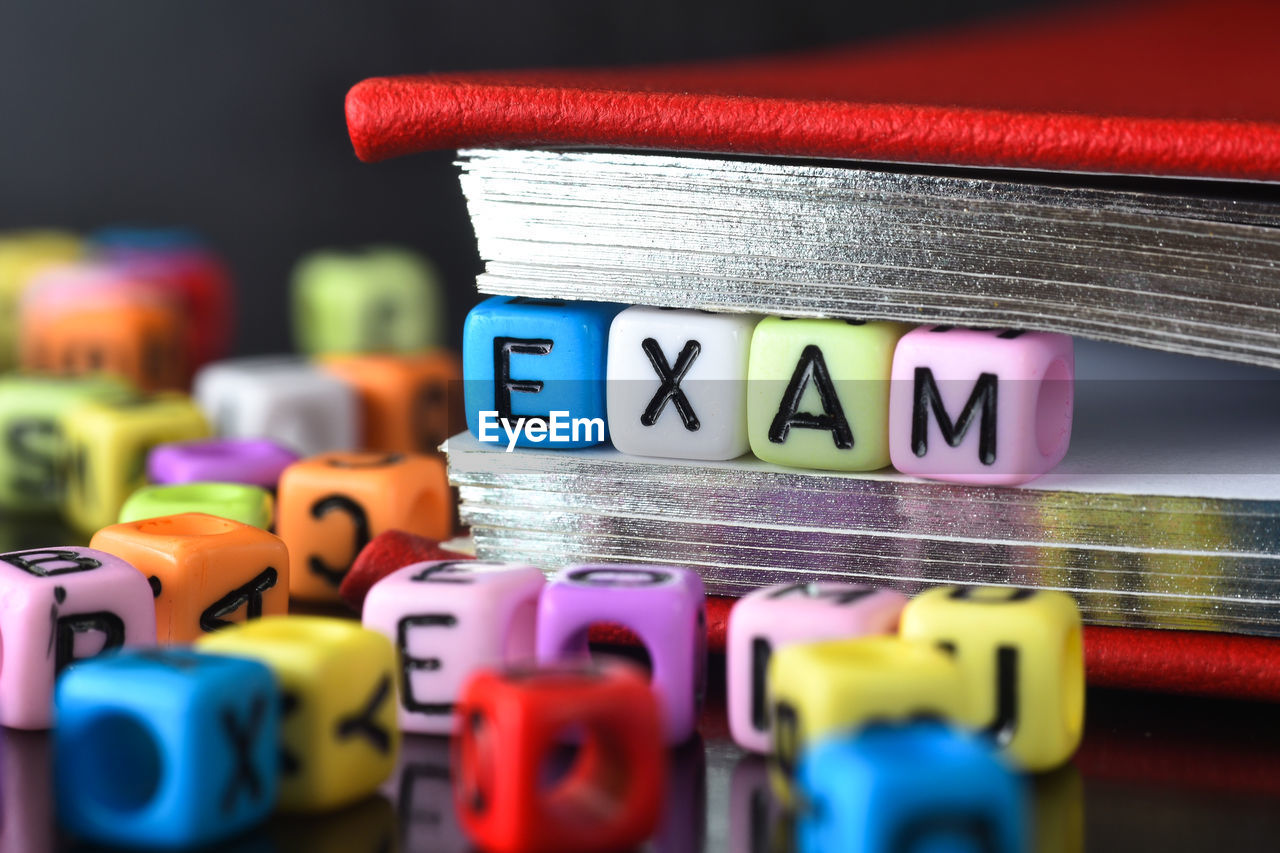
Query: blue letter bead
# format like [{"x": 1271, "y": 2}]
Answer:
[
  {"x": 920, "y": 786},
  {"x": 165, "y": 747},
  {"x": 524, "y": 358}
]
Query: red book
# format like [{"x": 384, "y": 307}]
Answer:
[{"x": 1182, "y": 89}]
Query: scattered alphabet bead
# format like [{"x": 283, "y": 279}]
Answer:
[
  {"x": 236, "y": 501},
  {"x": 252, "y": 461}
]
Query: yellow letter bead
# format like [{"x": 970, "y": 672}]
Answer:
[
  {"x": 820, "y": 689},
  {"x": 1023, "y": 662},
  {"x": 340, "y": 738}
]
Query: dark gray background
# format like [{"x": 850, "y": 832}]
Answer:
[{"x": 227, "y": 116}]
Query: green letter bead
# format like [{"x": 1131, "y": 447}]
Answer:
[
  {"x": 33, "y": 455},
  {"x": 380, "y": 299},
  {"x": 234, "y": 501},
  {"x": 818, "y": 392}
]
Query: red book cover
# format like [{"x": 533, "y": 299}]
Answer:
[{"x": 1180, "y": 89}]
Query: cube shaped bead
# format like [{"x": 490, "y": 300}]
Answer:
[
  {"x": 338, "y": 680},
  {"x": 59, "y": 606},
  {"x": 678, "y": 383},
  {"x": 23, "y": 254},
  {"x": 206, "y": 572},
  {"x": 510, "y": 725},
  {"x": 531, "y": 358},
  {"x": 663, "y": 605},
  {"x": 236, "y": 501},
  {"x": 331, "y": 505},
  {"x": 449, "y": 618},
  {"x": 1022, "y": 656},
  {"x": 252, "y": 461},
  {"x": 33, "y": 453},
  {"x": 821, "y": 688},
  {"x": 165, "y": 748},
  {"x": 980, "y": 406},
  {"x": 776, "y": 616},
  {"x": 913, "y": 787},
  {"x": 408, "y": 403},
  {"x": 282, "y": 398},
  {"x": 818, "y": 392},
  {"x": 378, "y": 299},
  {"x": 107, "y": 447}
]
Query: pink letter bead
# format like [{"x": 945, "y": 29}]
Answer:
[
  {"x": 449, "y": 618},
  {"x": 664, "y": 605},
  {"x": 58, "y": 606},
  {"x": 776, "y": 616},
  {"x": 980, "y": 406}
]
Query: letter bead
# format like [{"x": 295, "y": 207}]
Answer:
[
  {"x": 236, "y": 501},
  {"x": 59, "y": 606},
  {"x": 611, "y": 796},
  {"x": 252, "y": 461},
  {"x": 980, "y": 406},
  {"x": 409, "y": 403},
  {"x": 23, "y": 254},
  {"x": 448, "y": 618},
  {"x": 915, "y": 787},
  {"x": 339, "y": 712},
  {"x": 107, "y": 447},
  {"x": 282, "y": 398},
  {"x": 527, "y": 358},
  {"x": 780, "y": 615},
  {"x": 1022, "y": 656},
  {"x": 678, "y": 383},
  {"x": 205, "y": 572},
  {"x": 818, "y": 392},
  {"x": 823, "y": 688},
  {"x": 663, "y": 605},
  {"x": 331, "y": 505},
  {"x": 165, "y": 748}
]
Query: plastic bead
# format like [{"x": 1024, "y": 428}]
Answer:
[
  {"x": 1022, "y": 655},
  {"x": 165, "y": 748},
  {"x": 338, "y": 680},
  {"x": 331, "y": 505},
  {"x": 238, "y": 502},
  {"x": 512, "y": 724},
  {"x": 818, "y": 392},
  {"x": 663, "y": 605},
  {"x": 23, "y": 254},
  {"x": 678, "y": 383},
  {"x": 776, "y": 616},
  {"x": 252, "y": 461},
  {"x": 107, "y": 446},
  {"x": 916, "y": 787},
  {"x": 386, "y": 553},
  {"x": 206, "y": 572},
  {"x": 282, "y": 398},
  {"x": 987, "y": 407},
  {"x": 59, "y": 606},
  {"x": 531, "y": 359},
  {"x": 448, "y": 619},
  {"x": 408, "y": 403}
]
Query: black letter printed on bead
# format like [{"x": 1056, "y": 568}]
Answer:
[
  {"x": 671, "y": 378},
  {"x": 359, "y": 520},
  {"x": 503, "y": 384},
  {"x": 248, "y": 595},
  {"x": 240, "y": 737},
  {"x": 927, "y": 397},
  {"x": 812, "y": 366},
  {"x": 50, "y": 562},
  {"x": 362, "y": 723},
  {"x": 409, "y": 663},
  {"x": 620, "y": 576},
  {"x": 67, "y": 628}
]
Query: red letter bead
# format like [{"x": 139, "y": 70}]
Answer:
[{"x": 510, "y": 724}]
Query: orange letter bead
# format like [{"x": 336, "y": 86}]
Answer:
[
  {"x": 206, "y": 572},
  {"x": 330, "y": 506},
  {"x": 409, "y": 403}
]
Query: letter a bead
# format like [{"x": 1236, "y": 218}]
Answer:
[
  {"x": 664, "y": 605},
  {"x": 338, "y": 681},
  {"x": 988, "y": 407},
  {"x": 819, "y": 689},
  {"x": 915, "y": 787},
  {"x": 776, "y": 616},
  {"x": 447, "y": 619},
  {"x": 206, "y": 572},
  {"x": 165, "y": 748},
  {"x": 510, "y": 726},
  {"x": 59, "y": 606},
  {"x": 1022, "y": 656}
]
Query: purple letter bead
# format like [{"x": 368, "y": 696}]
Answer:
[
  {"x": 663, "y": 605},
  {"x": 252, "y": 461}
]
